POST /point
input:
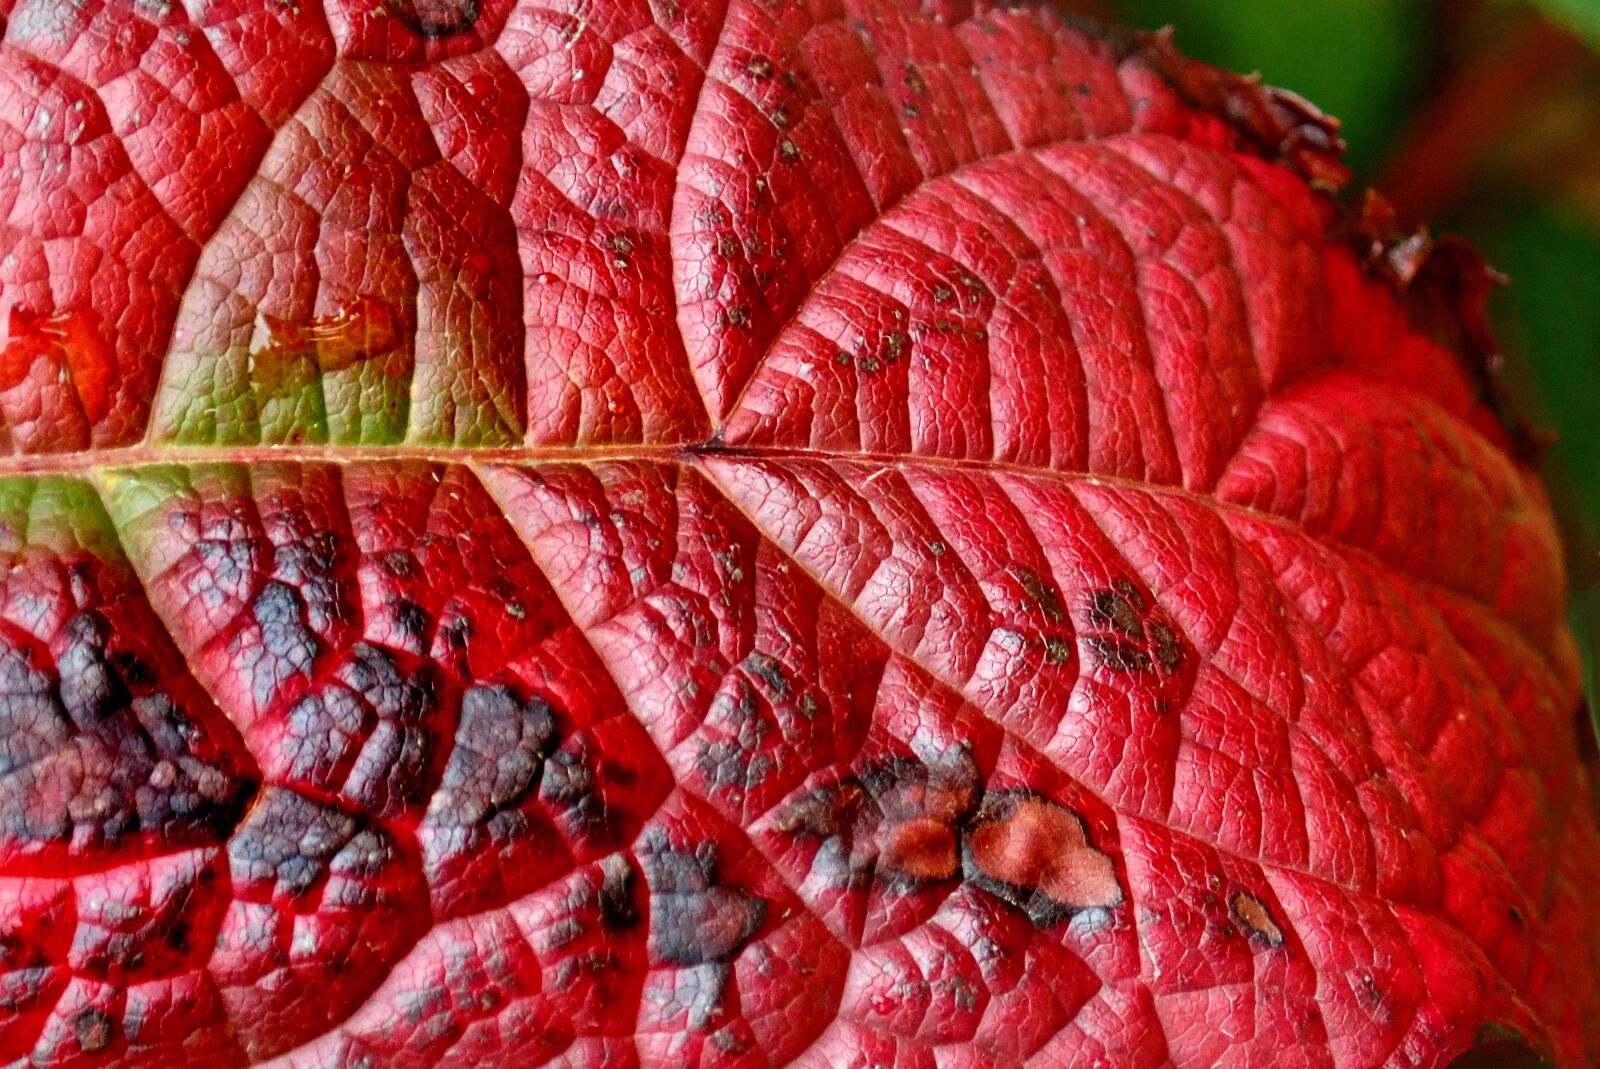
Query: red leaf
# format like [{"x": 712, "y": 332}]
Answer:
[{"x": 641, "y": 532}]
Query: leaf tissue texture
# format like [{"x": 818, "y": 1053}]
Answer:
[{"x": 829, "y": 533}]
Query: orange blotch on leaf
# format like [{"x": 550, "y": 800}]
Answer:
[
  {"x": 1037, "y": 855},
  {"x": 73, "y": 342}
]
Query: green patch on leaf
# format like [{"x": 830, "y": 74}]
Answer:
[
  {"x": 60, "y": 513},
  {"x": 1583, "y": 16}
]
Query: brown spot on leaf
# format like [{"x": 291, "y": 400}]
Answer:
[
  {"x": 894, "y": 346},
  {"x": 898, "y": 819},
  {"x": 1118, "y": 656},
  {"x": 908, "y": 824},
  {"x": 1112, "y": 608},
  {"x": 95, "y": 1030},
  {"x": 1035, "y": 855},
  {"x": 1041, "y": 592},
  {"x": 1134, "y": 638},
  {"x": 1257, "y": 920},
  {"x": 1167, "y": 650},
  {"x": 435, "y": 18},
  {"x": 913, "y": 79}
]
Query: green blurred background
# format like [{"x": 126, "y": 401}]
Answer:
[{"x": 1481, "y": 117}]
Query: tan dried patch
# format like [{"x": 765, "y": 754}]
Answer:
[
  {"x": 1256, "y": 918},
  {"x": 899, "y": 819},
  {"x": 923, "y": 849},
  {"x": 1036, "y": 855}
]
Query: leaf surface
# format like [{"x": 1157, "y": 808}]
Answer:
[{"x": 748, "y": 534}]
